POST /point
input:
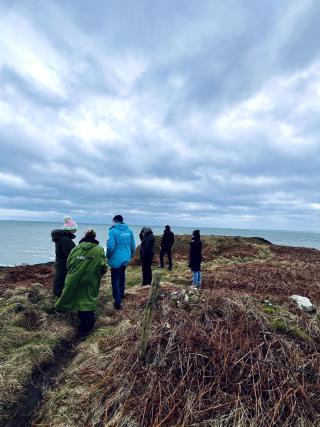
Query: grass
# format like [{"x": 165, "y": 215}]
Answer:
[
  {"x": 202, "y": 359},
  {"x": 226, "y": 358},
  {"x": 270, "y": 309},
  {"x": 27, "y": 340},
  {"x": 283, "y": 326}
]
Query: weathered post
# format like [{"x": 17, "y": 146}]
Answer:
[{"x": 148, "y": 314}]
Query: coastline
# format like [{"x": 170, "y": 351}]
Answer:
[{"x": 30, "y": 242}]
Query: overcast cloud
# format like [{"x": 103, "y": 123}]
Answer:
[{"x": 184, "y": 112}]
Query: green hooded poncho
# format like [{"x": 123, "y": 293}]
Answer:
[{"x": 86, "y": 264}]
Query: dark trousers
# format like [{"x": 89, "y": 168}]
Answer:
[
  {"x": 118, "y": 280},
  {"x": 87, "y": 320},
  {"x": 164, "y": 251},
  {"x": 60, "y": 273},
  {"x": 146, "y": 272}
]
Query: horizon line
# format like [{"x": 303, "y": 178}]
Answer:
[{"x": 173, "y": 225}]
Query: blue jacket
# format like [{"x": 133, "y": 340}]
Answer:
[{"x": 120, "y": 245}]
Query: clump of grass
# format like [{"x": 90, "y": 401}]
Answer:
[
  {"x": 270, "y": 309},
  {"x": 283, "y": 326},
  {"x": 265, "y": 252}
]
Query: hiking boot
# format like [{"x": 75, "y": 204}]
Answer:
[{"x": 117, "y": 306}]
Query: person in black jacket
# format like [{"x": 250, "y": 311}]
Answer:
[
  {"x": 195, "y": 257},
  {"x": 146, "y": 254},
  {"x": 166, "y": 246},
  {"x": 64, "y": 244}
]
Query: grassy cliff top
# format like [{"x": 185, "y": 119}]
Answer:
[{"x": 237, "y": 352}]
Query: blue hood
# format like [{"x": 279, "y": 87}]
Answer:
[{"x": 121, "y": 227}]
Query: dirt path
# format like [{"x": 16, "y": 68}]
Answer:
[
  {"x": 44, "y": 375},
  {"x": 43, "y": 378}
]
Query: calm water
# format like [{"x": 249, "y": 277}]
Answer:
[{"x": 30, "y": 242}]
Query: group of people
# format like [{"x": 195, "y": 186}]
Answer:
[{"x": 79, "y": 269}]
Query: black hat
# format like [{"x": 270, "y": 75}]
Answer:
[
  {"x": 196, "y": 233},
  {"x": 167, "y": 227},
  {"x": 118, "y": 218}
]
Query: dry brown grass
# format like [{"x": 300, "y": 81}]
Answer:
[
  {"x": 267, "y": 279},
  {"x": 220, "y": 362},
  {"x": 25, "y": 274},
  {"x": 228, "y": 359}
]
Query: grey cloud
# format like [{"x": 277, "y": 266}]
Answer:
[
  {"x": 301, "y": 47},
  {"x": 153, "y": 119},
  {"x": 34, "y": 94}
]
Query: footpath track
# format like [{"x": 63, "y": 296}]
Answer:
[{"x": 43, "y": 378}]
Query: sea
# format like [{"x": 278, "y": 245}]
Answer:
[{"x": 28, "y": 242}]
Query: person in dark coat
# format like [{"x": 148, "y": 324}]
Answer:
[
  {"x": 146, "y": 254},
  {"x": 195, "y": 257},
  {"x": 166, "y": 246},
  {"x": 63, "y": 239}
]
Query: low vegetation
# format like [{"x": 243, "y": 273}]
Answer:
[{"x": 237, "y": 352}]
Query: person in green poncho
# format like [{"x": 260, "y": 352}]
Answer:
[{"x": 85, "y": 265}]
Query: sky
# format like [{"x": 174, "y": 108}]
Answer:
[{"x": 193, "y": 113}]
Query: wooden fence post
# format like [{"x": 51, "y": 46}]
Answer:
[{"x": 148, "y": 314}]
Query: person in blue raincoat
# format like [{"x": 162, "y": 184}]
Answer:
[{"x": 120, "y": 249}]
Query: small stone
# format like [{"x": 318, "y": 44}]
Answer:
[{"x": 304, "y": 303}]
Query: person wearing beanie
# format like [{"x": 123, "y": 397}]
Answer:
[
  {"x": 120, "y": 249},
  {"x": 195, "y": 257},
  {"x": 85, "y": 265},
  {"x": 146, "y": 254},
  {"x": 166, "y": 246},
  {"x": 63, "y": 239},
  {"x": 69, "y": 224}
]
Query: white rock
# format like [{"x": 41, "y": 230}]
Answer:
[{"x": 303, "y": 303}]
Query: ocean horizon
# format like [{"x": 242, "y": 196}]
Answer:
[{"x": 29, "y": 242}]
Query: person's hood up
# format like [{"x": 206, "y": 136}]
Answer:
[
  {"x": 121, "y": 226},
  {"x": 196, "y": 235},
  {"x": 58, "y": 234},
  {"x": 147, "y": 231},
  {"x": 86, "y": 246}
]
